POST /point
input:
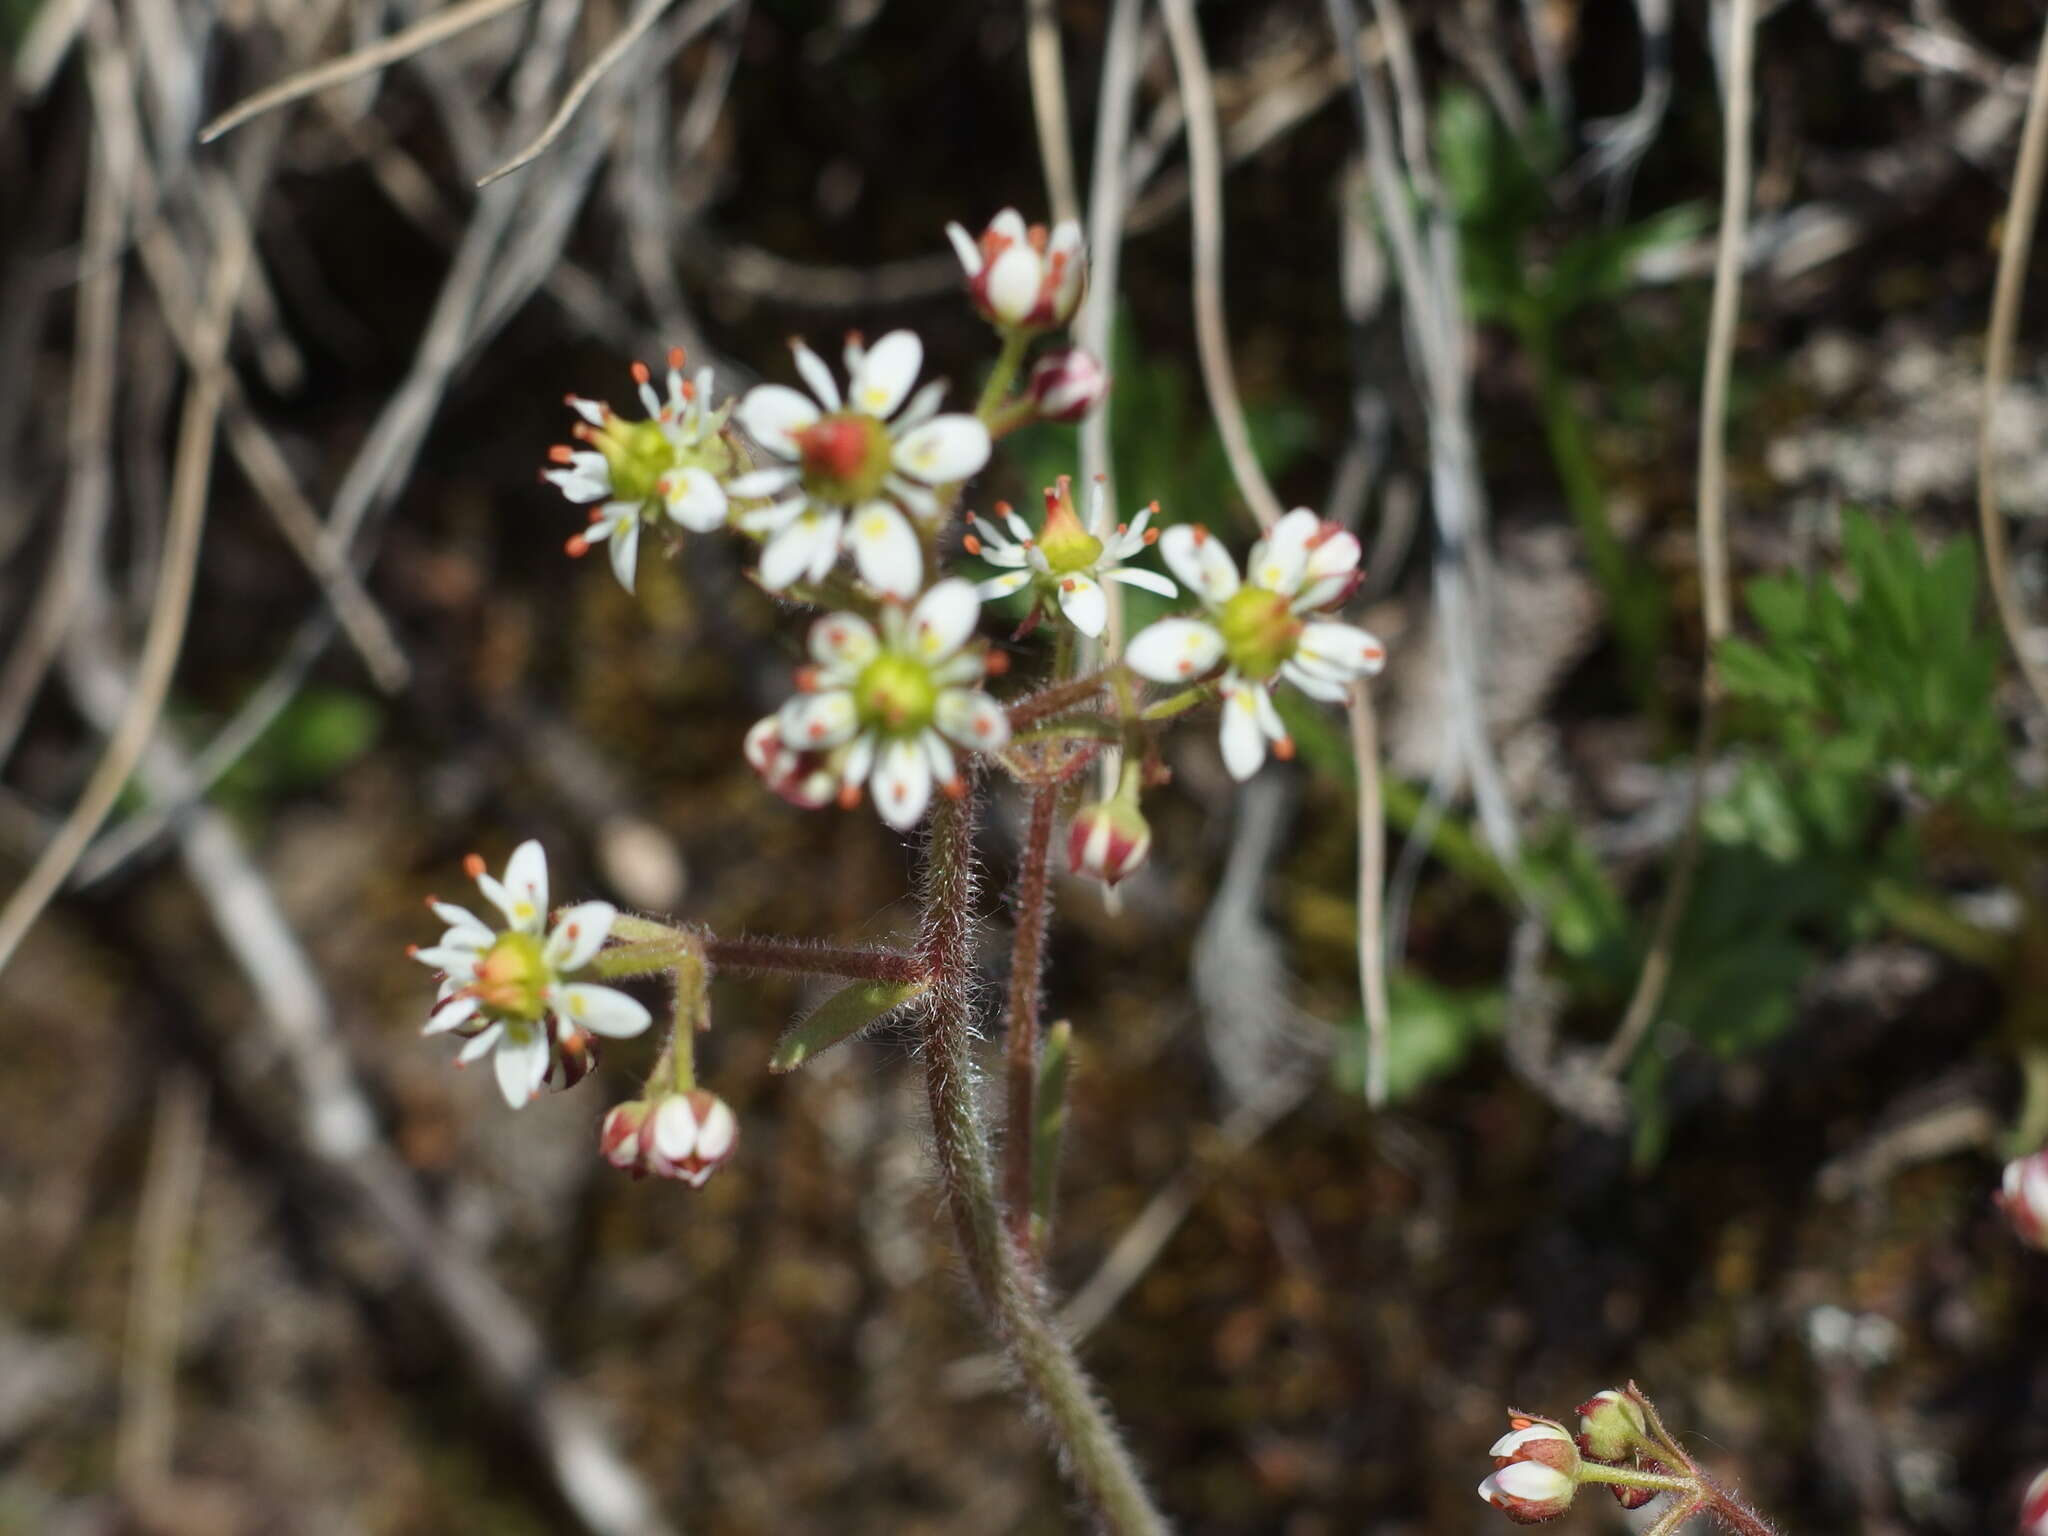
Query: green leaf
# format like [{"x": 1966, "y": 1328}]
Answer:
[
  {"x": 840, "y": 1017},
  {"x": 1431, "y": 1030}
]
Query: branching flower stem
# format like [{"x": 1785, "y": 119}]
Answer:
[
  {"x": 1027, "y": 970},
  {"x": 1090, "y": 1448}
]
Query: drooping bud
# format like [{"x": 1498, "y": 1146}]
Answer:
[
  {"x": 1068, "y": 384},
  {"x": 1109, "y": 840},
  {"x": 1537, "y": 1440},
  {"x": 1024, "y": 278},
  {"x": 687, "y": 1136},
  {"x": 2034, "y": 1508},
  {"x": 1611, "y": 1426},
  {"x": 1632, "y": 1498},
  {"x": 2023, "y": 1198},
  {"x": 1528, "y": 1492},
  {"x": 619, "y": 1139}
]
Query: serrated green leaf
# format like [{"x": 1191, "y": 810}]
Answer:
[{"x": 839, "y": 1018}]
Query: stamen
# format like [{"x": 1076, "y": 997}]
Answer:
[
  {"x": 675, "y": 357},
  {"x": 849, "y": 796},
  {"x": 1284, "y": 749},
  {"x": 1151, "y": 535},
  {"x": 472, "y": 864},
  {"x": 996, "y": 663},
  {"x": 954, "y": 788},
  {"x": 562, "y": 453},
  {"x": 971, "y": 544},
  {"x": 640, "y": 374},
  {"x": 576, "y": 546}
]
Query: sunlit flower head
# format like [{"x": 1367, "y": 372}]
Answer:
[
  {"x": 1067, "y": 561},
  {"x": 1259, "y": 628},
  {"x": 849, "y": 467},
  {"x": 886, "y": 707},
  {"x": 508, "y": 989},
  {"x": 1024, "y": 278},
  {"x": 671, "y": 463}
]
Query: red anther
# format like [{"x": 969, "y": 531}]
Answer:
[
  {"x": 569, "y": 400},
  {"x": 1151, "y": 535},
  {"x": 1123, "y": 528},
  {"x": 981, "y": 725},
  {"x": 1201, "y": 534},
  {"x": 640, "y": 374},
  {"x": 472, "y": 864},
  {"x": 971, "y": 544},
  {"x": 675, "y": 357},
  {"x": 816, "y": 730},
  {"x": 1187, "y": 668},
  {"x": 583, "y": 432},
  {"x": 1037, "y": 234},
  {"x": 1284, "y": 749},
  {"x": 954, "y": 788},
  {"x": 996, "y": 663},
  {"x": 595, "y": 515},
  {"x": 411, "y": 950},
  {"x": 576, "y": 546},
  {"x": 1102, "y": 479},
  {"x": 806, "y": 679},
  {"x": 856, "y": 339},
  {"x": 562, "y": 453},
  {"x": 1375, "y": 653},
  {"x": 849, "y": 796},
  {"x": 689, "y": 390},
  {"x": 970, "y": 517},
  {"x": 1003, "y": 507},
  {"x": 661, "y": 485},
  {"x": 433, "y": 902},
  {"x": 1154, "y": 507},
  {"x": 1068, "y": 585}
]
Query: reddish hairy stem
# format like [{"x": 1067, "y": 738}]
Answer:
[
  {"x": 797, "y": 957},
  {"x": 1049, "y": 701},
  {"x": 1027, "y": 968},
  {"x": 1732, "y": 1512}
]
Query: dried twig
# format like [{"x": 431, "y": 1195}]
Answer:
[
  {"x": 2017, "y": 242},
  {"x": 1713, "y": 534},
  {"x": 1049, "y": 105},
  {"x": 1372, "y": 865},
  {"x": 436, "y": 28}
]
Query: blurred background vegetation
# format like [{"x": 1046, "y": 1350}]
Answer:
[{"x": 271, "y": 1266}]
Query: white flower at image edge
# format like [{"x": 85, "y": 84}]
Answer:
[
  {"x": 890, "y": 706},
  {"x": 513, "y": 982},
  {"x": 1258, "y": 629},
  {"x": 850, "y": 465}
]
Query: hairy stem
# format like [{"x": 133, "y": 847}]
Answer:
[
  {"x": 1027, "y": 968},
  {"x": 1055, "y": 698},
  {"x": 1091, "y": 1451},
  {"x": 796, "y": 957}
]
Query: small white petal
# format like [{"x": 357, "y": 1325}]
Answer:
[
  {"x": 601, "y": 1010},
  {"x": 1268, "y": 716},
  {"x": 1198, "y": 558},
  {"x": 460, "y": 920},
  {"x": 1066, "y": 241},
  {"x": 939, "y": 756},
  {"x": 697, "y": 500},
  {"x": 1279, "y": 561},
  {"x": 1174, "y": 650},
  {"x": 592, "y": 411},
  {"x": 625, "y": 546},
  {"x": 1014, "y": 278},
  {"x": 1242, "y": 740},
  {"x": 771, "y": 481},
  {"x": 943, "y": 449},
  {"x": 858, "y": 762},
  {"x": 965, "y": 248},
  {"x": 795, "y": 552},
  {"x": 526, "y": 887},
  {"x": 943, "y": 619},
  {"x": 886, "y": 550},
  {"x": 522, "y": 1061},
  {"x": 923, "y": 406},
  {"x": 971, "y": 718},
  {"x": 772, "y": 415},
  {"x": 1343, "y": 648},
  {"x": 776, "y": 518},
  {"x": 816, "y": 375},
  {"x": 578, "y": 935},
  {"x": 1335, "y": 557},
  {"x": 451, "y": 1015},
  {"x": 1083, "y": 602},
  {"x": 456, "y": 960},
  {"x": 675, "y": 1128},
  {"x": 1151, "y": 581},
  {"x": 1010, "y": 226},
  {"x": 1001, "y": 586},
  {"x": 1315, "y": 684},
  {"x": 902, "y": 784},
  {"x": 886, "y": 374},
  {"x": 717, "y": 1133},
  {"x": 816, "y": 722},
  {"x": 843, "y": 642},
  {"x": 480, "y": 1045}
]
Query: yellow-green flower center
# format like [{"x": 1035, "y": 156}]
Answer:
[
  {"x": 1066, "y": 544},
  {"x": 1259, "y": 631},
  {"x": 639, "y": 453},
  {"x": 845, "y": 458},
  {"x": 512, "y": 978},
  {"x": 896, "y": 693}
]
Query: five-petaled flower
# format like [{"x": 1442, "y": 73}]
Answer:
[
  {"x": 1022, "y": 278},
  {"x": 887, "y": 705},
  {"x": 1258, "y": 628},
  {"x": 508, "y": 989},
  {"x": 848, "y": 466},
  {"x": 1067, "y": 562},
  {"x": 673, "y": 462}
]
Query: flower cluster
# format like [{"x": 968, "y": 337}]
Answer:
[
  {"x": 687, "y": 1136},
  {"x": 508, "y": 990},
  {"x": 1065, "y": 563}
]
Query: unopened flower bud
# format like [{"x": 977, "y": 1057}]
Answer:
[
  {"x": 575, "y": 1055},
  {"x": 690, "y": 1137},
  {"x": 1109, "y": 839},
  {"x": 1540, "y": 1441},
  {"x": 2023, "y": 1197},
  {"x": 1611, "y": 1426},
  {"x": 1068, "y": 384},
  {"x": 802, "y": 778},
  {"x": 1528, "y": 1492},
  {"x": 1632, "y": 1498},
  {"x": 619, "y": 1139},
  {"x": 1024, "y": 278},
  {"x": 2034, "y": 1508}
]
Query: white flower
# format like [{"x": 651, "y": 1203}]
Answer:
[
  {"x": 508, "y": 989},
  {"x": 1024, "y": 278},
  {"x": 672, "y": 463},
  {"x": 1257, "y": 627},
  {"x": 849, "y": 466},
  {"x": 888, "y": 706},
  {"x": 1067, "y": 561}
]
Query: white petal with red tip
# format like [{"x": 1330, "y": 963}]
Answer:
[
  {"x": 772, "y": 415},
  {"x": 902, "y": 784},
  {"x": 944, "y": 448},
  {"x": 601, "y": 1010},
  {"x": 816, "y": 375},
  {"x": 697, "y": 500},
  {"x": 1279, "y": 560},
  {"x": 886, "y": 550},
  {"x": 972, "y": 718},
  {"x": 456, "y": 960},
  {"x": 1241, "y": 733},
  {"x": 1203, "y": 565},
  {"x": 1174, "y": 650},
  {"x": 1343, "y": 647},
  {"x": 943, "y": 619},
  {"x": 1151, "y": 581},
  {"x": 1067, "y": 241},
  {"x": 1084, "y": 604},
  {"x": 816, "y": 722},
  {"x": 885, "y": 376},
  {"x": 579, "y": 934},
  {"x": 844, "y": 641}
]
